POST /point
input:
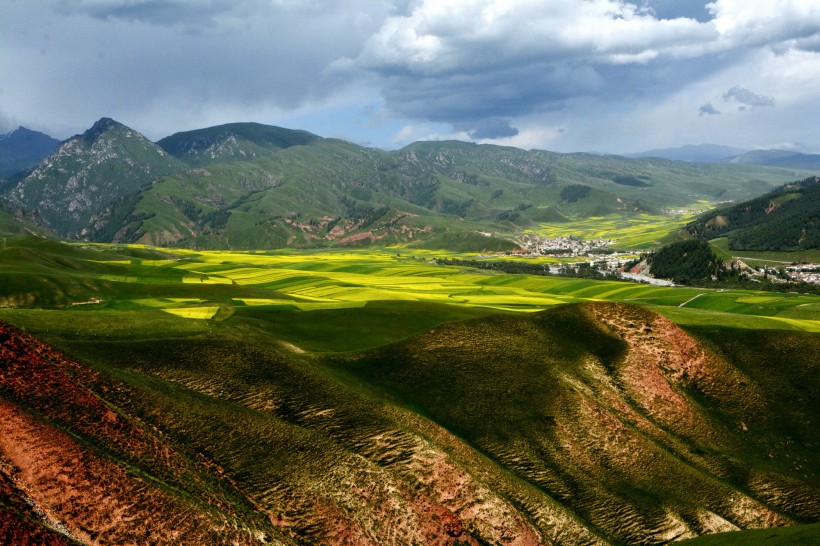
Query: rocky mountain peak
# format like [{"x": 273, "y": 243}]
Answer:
[{"x": 102, "y": 126}]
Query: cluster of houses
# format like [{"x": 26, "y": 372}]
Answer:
[
  {"x": 809, "y": 273},
  {"x": 563, "y": 246}
]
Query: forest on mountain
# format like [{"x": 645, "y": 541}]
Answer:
[
  {"x": 785, "y": 219},
  {"x": 685, "y": 262}
]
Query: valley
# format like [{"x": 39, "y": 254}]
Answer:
[
  {"x": 410, "y": 273},
  {"x": 252, "y": 335}
]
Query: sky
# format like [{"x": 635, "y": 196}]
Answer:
[{"x": 610, "y": 76}]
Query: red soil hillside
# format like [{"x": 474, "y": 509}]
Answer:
[
  {"x": 73, "y": 467},
  {"x": 586, "y": 424}
]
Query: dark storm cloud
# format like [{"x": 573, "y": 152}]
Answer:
[
  {"x": 748, "y": 98},
  {"x": 493, "y": 128},
  {"x": 485, "y": 60},
  {"x": 453, "y": 62},
  {"x": 463, "y": 98},
  {"x": 154, "y": 12},
  {"x": 483, "y": 69},
  {"x": 170, "y": 63}
]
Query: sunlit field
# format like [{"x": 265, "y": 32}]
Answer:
[
  {"x": 218, "y": 283},
  {"x": 628, "y": 232},
  {"x": 763, "y": 258}
]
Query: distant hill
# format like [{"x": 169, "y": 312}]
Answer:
[
  {"x": 714, "y": 153},
  {"x": 700, "y": 153},
  {"x": 23, "y": 149},
  {"x": 779, "y": 158},
  {"x": 232, "y": 142},
  {"x": 247, "y": 185},
  {"x": 787, "y": 218}
]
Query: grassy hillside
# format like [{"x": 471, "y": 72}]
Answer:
[
  {"x": 328, "y": 193},
  {"x": 232, "y": 141},
  {"x": 556, "y": 426},
  {"x": 797, "y": 535},
  {"x": 786, "y": 219},
  {"x": 377, "y": 397},
  {"x": 246, "y": 185}
]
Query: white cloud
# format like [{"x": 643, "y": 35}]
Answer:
[{"x": 440, "y": 38}]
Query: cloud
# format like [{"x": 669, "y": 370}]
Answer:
[
  {"x": 472, "y": 69},
  {"x": 464, "y": 62},
  {"x": 748, "y": 98},
  {"x": 493, "y": 128},
  {"x": 474, "y": 61},
  {"x": 190, "y": 13},
  {"x": 708, "y": 109},
  {"x": 785, "y": 24},
  {"x": 170, "y": 65}
]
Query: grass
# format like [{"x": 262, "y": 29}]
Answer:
[
  {"x": 771, "y": 259},
  {"x": 633, "y": 232},
  {"x": 500, "y": 383},
  {"x": 200, "y": 313},
  {"x": 346, "y": 329},
  {"x": 799, "y": 535},
  {"x": 325, "y": 291},
  {"x": 318, "y": 370}
]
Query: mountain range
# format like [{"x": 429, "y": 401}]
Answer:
[
  {"x": 247, "y": 185},
  {"x": 23, "y": 149},
  {"x": 714, "y": 153}
]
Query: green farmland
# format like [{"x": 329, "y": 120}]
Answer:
[
  {"x": 641, "y": 231},
  {"x": 324, "y": 300}
]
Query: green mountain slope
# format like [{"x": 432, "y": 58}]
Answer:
[
  {"x": 12, "y": 226},
  {"x": 88, "y": 186},
  {"x": 246, "y": 185},
  {"x": 232, "y": 142},
  {"x": 442, "y": 194},
  {"x": 785, "y": 219}
]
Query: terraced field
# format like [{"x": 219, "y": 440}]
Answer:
[
  {"x": 629, "y": 232},
  {"x": 218, "y": 284}
]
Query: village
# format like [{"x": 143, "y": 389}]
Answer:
[
  {"x": 600, "y": 254},
  {"x": 564, "y": 246},
  {"x": 809, "y": 273}
]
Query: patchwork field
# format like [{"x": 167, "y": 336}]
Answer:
[
  {"x": 629, "y": 232},
  {"x": 106, "y": 284}
]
